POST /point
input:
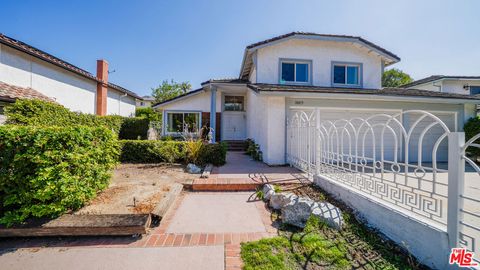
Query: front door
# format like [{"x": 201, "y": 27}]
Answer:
[{"x": 233, "y": 126}]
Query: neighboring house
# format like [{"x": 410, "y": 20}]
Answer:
[
  {"x": 145, "y": 101},
  {"x": 24, "y": 66},
  {"x": 340, "y": 76},
  {"x": 464, "y": 85},
  {"x": 9, "y": 93}
]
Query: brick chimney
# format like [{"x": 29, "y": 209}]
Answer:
[{"x": 102, "y": 75}]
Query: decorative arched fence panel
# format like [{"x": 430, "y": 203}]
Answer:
[{"x": 409, "y": 161}]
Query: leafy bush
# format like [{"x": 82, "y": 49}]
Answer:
[
  {"x": 46, "y": 171},
  {"x": 134, "y": 128},
  {"x": 194, "y": 148},
  {"x": 472, "y": 128},
  {"x": 252, "y": 149},
  {"x": 148, "y": 113},
  {"x": 135, "y": 151},
  {"x": 215, "y": 153},
  {"x": 34, "y": 112}
]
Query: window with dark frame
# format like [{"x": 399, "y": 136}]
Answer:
[
  {"x": 474, "y": 90},
  {"x": 295, "y": 72},
  {"x": 234, "y": 103},
  {"x": 346, "y": 74}
]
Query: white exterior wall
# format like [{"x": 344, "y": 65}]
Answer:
[
  {"x": 266, "y": 125},
  {"x": 418, "y": 237},
  {"x": 196, "y": 102},
  {"x": 321, "y": 53},
  {"x": 120, "y": 104},
  {"x": 71, "y": 90}
]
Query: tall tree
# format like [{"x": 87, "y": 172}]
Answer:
[
  {"x": 168, "y": 90},
  {"x": 395, "y": 77}
]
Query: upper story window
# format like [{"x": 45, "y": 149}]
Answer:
[
  {"x": 234, "y": 103},
  {"x": 474, "y": 90},
  {"x": 295, "y": 71},
  {"x": 346, "y": 74}
]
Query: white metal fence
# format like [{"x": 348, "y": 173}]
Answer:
[{"x": 401, "y": 164}]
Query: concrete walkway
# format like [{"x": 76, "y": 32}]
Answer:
[
  {"x": 202, "y": 230},
  {"x": 180, "y": 258}
]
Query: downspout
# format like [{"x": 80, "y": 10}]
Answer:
[{"x": 120, "y": 101}]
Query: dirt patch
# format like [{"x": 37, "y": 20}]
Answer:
[{"x": 137, "y": 188}]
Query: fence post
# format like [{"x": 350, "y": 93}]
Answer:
[
  {"x": 456, "y": 179},
  {"x": 318, "y": 146}
]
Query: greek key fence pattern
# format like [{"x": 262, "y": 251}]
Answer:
[{"x": 377, "y": 156}]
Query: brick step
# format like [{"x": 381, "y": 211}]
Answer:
[
  {"x": 233, "y": 184},
  {"x": 235, "y": 145}
]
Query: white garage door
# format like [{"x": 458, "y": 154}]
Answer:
[{"x": 374, "y": 142}]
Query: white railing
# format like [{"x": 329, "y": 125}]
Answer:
[{"x": 409, "y": 161}]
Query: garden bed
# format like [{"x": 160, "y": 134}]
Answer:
[
  {"x": 320, "y": 247},
  {"x": 148, "y": 184}
]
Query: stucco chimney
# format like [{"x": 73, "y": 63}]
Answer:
[{"x": 102, "y": 89}]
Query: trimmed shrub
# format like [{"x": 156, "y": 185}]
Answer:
[
  {"x": 46, "y": 171},
  {"x": 34, "y": 112},
  {"x": 472, "y": 128},
  {"x": 215, "y": 153},
  {"x": 134, "y": 128},
  {"x": 135, "y": 151}
]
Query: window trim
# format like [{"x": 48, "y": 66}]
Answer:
[
  {"x": 295, "y": 61},
  {"x": 347, "y": 64},
  {"x": 165, "y": 120}
]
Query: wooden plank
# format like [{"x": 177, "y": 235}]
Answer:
[
  {"x": 84, "y": 225},
  {"x": 207, "y": 171},
  {"x": 167, "y": 201}
]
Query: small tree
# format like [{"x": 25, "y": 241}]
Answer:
[
  {"x": 168, "y": 90},
  {"x": 148, "y": 113},
  {"x": 395, "y": 77}
]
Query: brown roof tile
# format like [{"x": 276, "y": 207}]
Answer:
[{"x": 10, "y": 92}]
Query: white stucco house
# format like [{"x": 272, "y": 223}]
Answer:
[
  {"x": 340, "y": 75},
  {"x": 29, "y": 70},
  {"x": 464, "y": 85},
  {"x": 145, "y": 102}
]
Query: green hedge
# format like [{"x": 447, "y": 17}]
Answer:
[
  {"x": 46, "y": 171},
  {"x": 134, "y": 151},
  {"x": 472, "y": 128},
  {"x": 34, "y": 112},
  {"x": 134, "y": 128},
  {"x": 215, "y": 154},
  {"x": 31, "y": 112}
]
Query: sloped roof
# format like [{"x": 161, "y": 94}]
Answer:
[
  {"x": 247, "y": 62},
  {"x": 438, "y": 77},
  {"x": 37, "y": 53},
  {"x": 401, "y": 92},
  {"x": 10, "y": 92}
]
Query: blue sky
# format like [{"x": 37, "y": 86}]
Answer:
[{"x": 149, "y": 41}]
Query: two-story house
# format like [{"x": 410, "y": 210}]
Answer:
[{"x": 337, "y": 75}]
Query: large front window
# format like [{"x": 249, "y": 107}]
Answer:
[
  {"x": 346, "y": 74},
  {"x": 295, "y": 72},
  {"x": 181, "y": 122}
]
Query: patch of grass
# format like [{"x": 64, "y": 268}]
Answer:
[
  {"x": 318, "y": 246},
  {"x": 269, "y": 253}
]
